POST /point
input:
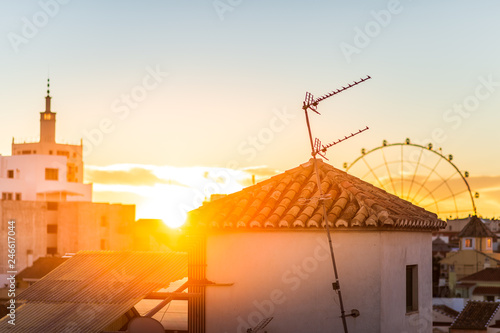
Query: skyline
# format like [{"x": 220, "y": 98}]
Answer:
[{"x": 219, "y": 85}]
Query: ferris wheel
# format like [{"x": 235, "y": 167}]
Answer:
[{"x": 418, "y": 174}]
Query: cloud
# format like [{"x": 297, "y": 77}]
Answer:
[{"x": 135, "y": 176}]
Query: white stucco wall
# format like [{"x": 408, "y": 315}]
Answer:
[
  {"x": 29, "y": 177},
  {"x": 288, "y": 275}
]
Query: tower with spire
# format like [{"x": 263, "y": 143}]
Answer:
[
  {"x": 48, "y": 120},
  {"x": 47, "y": 144}
]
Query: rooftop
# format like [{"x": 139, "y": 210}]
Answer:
[
  {"x": 41, "y": 267},
  {"x": 476, "y": 228},
  {"x": 291, "y": 200},
  {"x": 488, "y": 274},
  {"x": 475, "y": 316},
  {"x": 93, "y": 289}
]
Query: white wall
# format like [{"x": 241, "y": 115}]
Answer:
[
  {"x": 29, "y": 177},
  {"x": 288, "y": 275}
]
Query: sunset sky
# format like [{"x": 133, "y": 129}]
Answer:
[{"x": 175, "y": 100}]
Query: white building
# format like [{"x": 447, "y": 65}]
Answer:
[
  {"x": 43, "y": 195},
  {"x": 44, "y": 170},
  {"x": 263, "y": 253}
]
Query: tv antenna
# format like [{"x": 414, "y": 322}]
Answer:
[{"x": 318, "y": 149}]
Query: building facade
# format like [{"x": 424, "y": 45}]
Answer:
[
  {"x": 46, "y": 206},
  {"x": 265, "y": 257}
]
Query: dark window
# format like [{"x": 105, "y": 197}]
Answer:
[
  {"x": 51, "y": 174},
  {"x": 9, "y": 196},
  {"x": 4, "y": 195},
  {"x": 18, "y": 196},
  {"x": 50, "y": 152},
  {"x": 52, "y": 228},
  {"x": 489, "y": 298},
  {"x": 52, "y": 205},
  {"x": 104, "y": 221},
  {"x": 52, "y": 250},
  {"x": 26, "y": 152},
  {"x": 411, "y": 288},
  {"x": 10, "y": 173}
]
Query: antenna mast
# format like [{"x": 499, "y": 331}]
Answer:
[{"x": 318, "y": 149}]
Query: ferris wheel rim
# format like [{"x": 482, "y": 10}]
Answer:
[{"x": 427, "y": 148}]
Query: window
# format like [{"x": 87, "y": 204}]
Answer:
[
  {"x": 63, "y": 153},
  {"x": 52, "y": 228},
  {"x": 52, "y": 250},
  {"x": 411, "y": 288},
  {"x": 9, "y": 196},
  {"x": 488, "y": 243},
  {"x": 50, "y": 152},
  {"x": 10, "y": 173},
  {"x": 51, "y": 174},
  {"x": 104, "y": 221},
  {"x": 468, "y": 243},
  {"x": 18, "y": 196},
  {"x": 103, "y": 244},
  {"x": 26, "y": 152},
  {"x": 52, "y": 205}
]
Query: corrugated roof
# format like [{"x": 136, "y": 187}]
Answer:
[
  {"x": 475, "y": 316},
  {"x": 490, "y": 274},
  {"x": 291, "y": 200},
  {"x": 93, "y": 289},
  {"x": 476, "y": 228}
]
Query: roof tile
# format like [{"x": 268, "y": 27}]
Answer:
[{"x": 291, "y": 200}]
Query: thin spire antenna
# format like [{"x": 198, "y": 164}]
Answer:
[{"x": 318, "y": 149}]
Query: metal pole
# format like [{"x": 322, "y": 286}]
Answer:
[{"x": 336, "y": 285}]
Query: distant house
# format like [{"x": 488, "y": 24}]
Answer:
[
  {"x": 475, "y": 252},
  {"x": 477, "y": 317},
  {"x": 481, "y": 286},
  {"x": 442, "y": 318},
  {"x": 41, "y": 267},
  {"x": 45, "y": 201},
  {"x": 264, "y": 254},
  {"x": 439, "y": 251}
]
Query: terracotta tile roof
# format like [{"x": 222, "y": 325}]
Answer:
[
  {"x": 446, "y": 310},
  {"x": 91, "y": 290},
  {"x": 475, "y": 316},
  {"x": 439, "y": 245},
  {"x": 476, "y": 228},
  {"x": 490, "y": 274},
  {"x": 290, "y": 200},
  {"x": 41, "y": 267},
  {"x": 486, "y": 291}
]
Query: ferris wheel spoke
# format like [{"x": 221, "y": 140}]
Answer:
[
  {"x": 426, "y": 179},
  {"x": 447, "y": 198},
  {"x": 417, "y": 176},
  {"x": 374, "y": 174},
  {"x": 444, "y": 182},
  {"x": 415, "y": 173},
  {"x": 402, "y": 175},
  {"x": 389, "y": 173}
]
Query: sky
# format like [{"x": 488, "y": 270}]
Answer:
[{"x": 175, "y": 100}]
